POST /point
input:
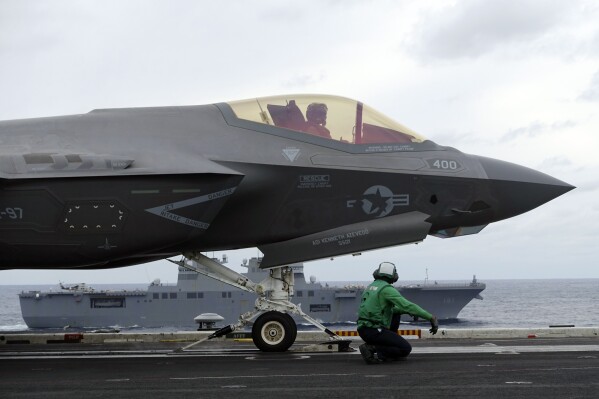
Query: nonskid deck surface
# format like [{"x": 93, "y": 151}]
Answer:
[
  {"x": 545, "y": 367},
  {"x": 239, "y": 347}
]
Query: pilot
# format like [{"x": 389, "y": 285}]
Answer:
[
  {"x": 316, "y": 116},
  {"x": 378, "y": 318}
]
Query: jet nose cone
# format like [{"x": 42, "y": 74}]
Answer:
[{"x": 518, "y": 189}]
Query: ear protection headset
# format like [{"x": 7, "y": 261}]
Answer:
[{"x": 388, "y": 270}]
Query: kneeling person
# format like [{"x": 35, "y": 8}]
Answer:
[{"x": 378, "y": 318}]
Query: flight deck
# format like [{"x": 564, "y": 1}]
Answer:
[{"x": 542, "y": 364}]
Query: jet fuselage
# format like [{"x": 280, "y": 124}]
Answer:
[{"x": 123, "y": 186}]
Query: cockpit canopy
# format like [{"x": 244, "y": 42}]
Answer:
[{"x": 330, "y": 117}]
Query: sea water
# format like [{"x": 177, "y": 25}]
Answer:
[{"x": 506, "y": 303}]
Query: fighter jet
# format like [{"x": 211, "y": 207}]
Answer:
[{"x": 301, "y": 177}]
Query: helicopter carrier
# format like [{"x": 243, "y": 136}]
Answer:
[{"x": 161, "y": 305}]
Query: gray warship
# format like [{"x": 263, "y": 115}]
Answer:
[{"x": 161, "y": 305}]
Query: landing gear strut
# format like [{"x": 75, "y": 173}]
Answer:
[{"x": 274, "y": 329}]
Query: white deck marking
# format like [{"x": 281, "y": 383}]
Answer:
[
  {"x": 231, "y": 377},
  {"x": 507, "y": 349}
]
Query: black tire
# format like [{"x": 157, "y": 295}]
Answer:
[
  {"x": 274, "y": 332},
  {"x": 293, "y": 326}
]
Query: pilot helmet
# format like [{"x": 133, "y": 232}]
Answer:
[
  {"x": 386, "y": 271},
  {"x": 317, "y": 113}
]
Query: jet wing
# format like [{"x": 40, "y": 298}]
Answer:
[{"x": 379, "y": 233}]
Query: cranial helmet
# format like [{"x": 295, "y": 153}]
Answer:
[
  {"x": 387, "y": 271},
  {"x": 317, "y": 113}
]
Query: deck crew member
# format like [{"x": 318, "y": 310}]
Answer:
[{"x": 380, "y": 303}]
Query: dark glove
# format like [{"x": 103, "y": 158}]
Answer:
[{"x": 434, "y": 326}]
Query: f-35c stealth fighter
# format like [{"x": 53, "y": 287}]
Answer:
[{"x": 301, "y": 177}]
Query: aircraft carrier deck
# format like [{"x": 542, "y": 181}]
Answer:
[{"x": 527, "y": 363}]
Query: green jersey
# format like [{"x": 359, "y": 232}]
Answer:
[{"x": 380, "y": 301}]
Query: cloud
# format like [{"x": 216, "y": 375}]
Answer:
[
  {"x": 473, "y": 28},
  {"x": 592, "y": 92},
  {"x": 536, "y": 129},
  {"x": 304, "y": 80},
  {"x": 555, "y": 162}
]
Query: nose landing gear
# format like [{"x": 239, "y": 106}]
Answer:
[{"x": 274, "y": 329}]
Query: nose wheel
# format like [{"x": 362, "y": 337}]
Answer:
[{"x": 274, "y": 332}]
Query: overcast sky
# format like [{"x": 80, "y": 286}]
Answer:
[{"x": 515, "y": 80}]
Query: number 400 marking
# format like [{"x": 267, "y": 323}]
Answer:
[{"x": 445, "y": 164}]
